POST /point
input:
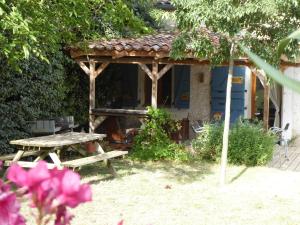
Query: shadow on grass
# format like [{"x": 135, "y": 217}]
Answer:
[
  {"x": 238, "y": 175},
  {"x": 180, "y": 172}
]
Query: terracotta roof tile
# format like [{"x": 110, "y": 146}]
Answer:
[{"x": 157, "y": 42}]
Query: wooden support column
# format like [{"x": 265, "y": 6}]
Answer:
[
  {"x": 92, "y": 95},
  {"x": 155, "y": 76},
  {"x": 92, "y": 72},
  {"x": 154, "y": 85},
  {"x": 253, "y": 95},
  {"x": 266, "y": 105},
  {"x": 260, "y": 74}
]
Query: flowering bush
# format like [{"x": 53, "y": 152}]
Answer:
[{"x": 51, "y": 192}]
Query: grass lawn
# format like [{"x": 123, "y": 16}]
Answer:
[{"x": 168, "y": 193}]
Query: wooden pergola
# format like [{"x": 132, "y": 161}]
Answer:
[{"x": 153, "y": 50}]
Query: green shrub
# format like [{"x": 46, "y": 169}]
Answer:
[
  {"x": 153, "y": 141},
  {"x": 249, "y": 144}
]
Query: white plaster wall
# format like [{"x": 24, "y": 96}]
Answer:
[
  {"x": 248, "y": 88},
  {"x": 291, "y": 105},
  {"x": 199, "y": 97}
]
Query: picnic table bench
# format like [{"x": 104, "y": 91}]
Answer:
[{"x": 52, "y": 145}]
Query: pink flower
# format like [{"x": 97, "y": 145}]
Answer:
[
  {"x": 9, "y": 207},
  {"x": 17, "y": 175},
  {"x": 71, "y": 192},
  {"x": 121, "y": 222},
  {"x": 51, "y": 190},
  {"x": 29, "y": 179},
  {"x": 63, "y": 217}
]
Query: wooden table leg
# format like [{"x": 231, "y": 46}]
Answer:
[
  {"x": 111, "y": 168},
  {"x": 41, "y": 156},
  {"x": 108, "y": 162},
  {"x": 18, "y": 155},
  {"x": 15, "y": 159},
  {"x": 55, "y": 160}
]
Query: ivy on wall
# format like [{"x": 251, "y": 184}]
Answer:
[{"x": 37, "y": 79}]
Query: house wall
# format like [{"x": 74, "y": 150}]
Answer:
[
  {"x": 291, "y": 105},
  {"x": 200, "y": 96}
]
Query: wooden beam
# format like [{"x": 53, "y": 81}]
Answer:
[
  {"x": 92, "y": 95},
  {"x": 266, "y": 105},
  {"x": 149, "y": 60},
  {"x": 146, "y": 70},
  {"x": 84, "y": 67},
  {"x": 119, "y": 54},
  {"x": 164, "y": 70},
  {"x": 260, "y": 75},
  {"x": 253, "y": 95},
  {"x": 101, "y": 68},
  {"x": 154, "y": 85}
]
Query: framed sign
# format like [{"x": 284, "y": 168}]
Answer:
[{"x": 237, "y": 80}]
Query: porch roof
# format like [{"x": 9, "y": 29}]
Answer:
[
  {"x": 144, "y": 49},
  {"x": 155, "y": 45}
]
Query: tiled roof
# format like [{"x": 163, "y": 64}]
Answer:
[{"x": 155, "y": 43}]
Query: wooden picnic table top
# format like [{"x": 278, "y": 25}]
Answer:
[{"x": 58, "y": 140}]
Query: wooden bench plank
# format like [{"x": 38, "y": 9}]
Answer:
[
  {"x": 26, "y": 153},
  {"x": 119, "y": 112},
  {"x": 93, "y": 159},
  {"x": 28, "y": 164}
]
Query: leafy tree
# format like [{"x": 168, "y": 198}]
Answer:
[
  {"x": 36, "y": 92},
  {"x": 211, "y": 29},
  {"x": 40, "y": 27},
  {"x": 259, "y": 24},
  {"x": 37, "y": 79},
  {"x": 275, "y": 74}
]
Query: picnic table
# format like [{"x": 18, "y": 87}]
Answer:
[{"x": 53, "y": 145}]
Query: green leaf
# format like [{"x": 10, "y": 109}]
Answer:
[
  {"x": 26, "y": 52},
  {"x": 284, "y": 42},
  {"x": 272, "y": 72}
]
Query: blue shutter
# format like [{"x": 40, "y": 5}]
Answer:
[
  {"x": 182, "y": 87},
  {"x": 218, "y": 91}
]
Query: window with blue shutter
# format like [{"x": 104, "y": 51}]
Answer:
[{"x": 182, "y": 86}]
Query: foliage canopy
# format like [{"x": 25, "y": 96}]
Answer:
[
  {"x": 43, "y": 82},
  {"x": 40, "y": 27},
  {"x": 260, "y": 25}
]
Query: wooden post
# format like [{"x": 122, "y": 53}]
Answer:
[
  {"x": 227, "y": 117},
  {"x": 253, "y": 95},
  {"x": 92, "y": 72},
  {"x": 154, "y": 85},
  {"x": 266, "y": 105},
  {"x": 92, "y": 95}
]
